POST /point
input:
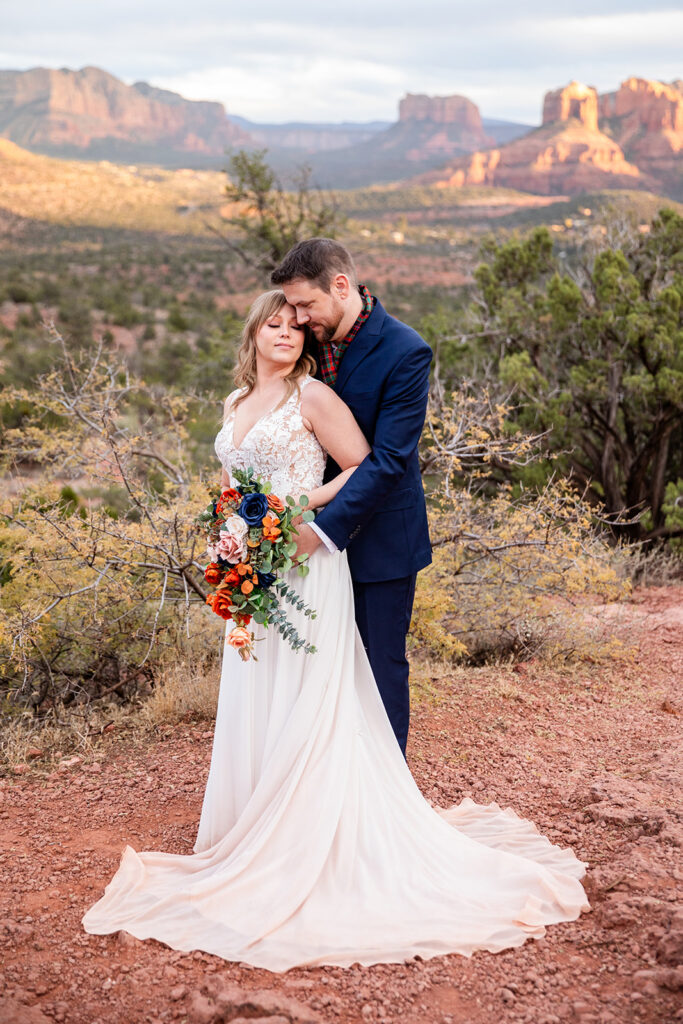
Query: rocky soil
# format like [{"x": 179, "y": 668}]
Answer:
[{"x": 589, "y": 753}]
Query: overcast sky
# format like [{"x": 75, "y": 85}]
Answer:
[{"x": 270, "y": 60}]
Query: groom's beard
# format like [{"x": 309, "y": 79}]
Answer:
[{"x": 326, "y": 332}]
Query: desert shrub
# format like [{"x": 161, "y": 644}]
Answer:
[
  {"x": 596, "y": 358},
  {"x": 512, "y": 567},
  {"x": 98, "y": 552}
]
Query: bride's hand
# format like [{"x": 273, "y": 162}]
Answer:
[{"x": 307, "y": 541}]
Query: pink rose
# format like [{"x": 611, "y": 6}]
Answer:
[{"x": 232, "y": 540}]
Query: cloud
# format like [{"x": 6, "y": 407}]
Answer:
[{"x": 307, "y": 61}]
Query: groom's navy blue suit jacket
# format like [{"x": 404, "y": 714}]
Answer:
[{"x": 380, "y": 513}]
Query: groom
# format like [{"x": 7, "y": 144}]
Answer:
[{"x": 380, "y": 368}]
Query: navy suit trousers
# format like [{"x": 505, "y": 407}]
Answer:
[{"x": 383, "y": 613}]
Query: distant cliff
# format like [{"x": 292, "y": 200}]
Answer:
[
  {"x": 631, "y": 138},
  {"x": 90, "y": 113},
  {"x": 430, "y": 130},
  {"x": 646, "y": 119}
]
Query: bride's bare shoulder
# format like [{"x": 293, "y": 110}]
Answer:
[
  {"x": 318, "y": 397},
  {"x": 319, "y": 403}
]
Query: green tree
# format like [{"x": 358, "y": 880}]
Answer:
[
  {"x": 596, "y": 357},
  {"x": 270, "y": 220}
]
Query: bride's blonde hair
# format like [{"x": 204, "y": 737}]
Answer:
[{"x": 262, "y": 309}]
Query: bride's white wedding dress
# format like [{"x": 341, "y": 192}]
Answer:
[{"x": 315, "y": 845}]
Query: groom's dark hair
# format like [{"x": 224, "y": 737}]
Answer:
[{"x": 317, "y": 260}]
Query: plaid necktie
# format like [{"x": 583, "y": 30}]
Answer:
[{"x": 331, "y": 355}]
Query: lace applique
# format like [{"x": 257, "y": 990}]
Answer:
[{"x": 278, "y": 448}]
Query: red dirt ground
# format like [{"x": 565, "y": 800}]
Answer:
[{"x": 588, "y": 753}]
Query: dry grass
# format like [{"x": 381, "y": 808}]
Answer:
[
  {"x": 656, "y": 566},
  {"x": 44, "y": 742},
  {"x": 186, "y": 690}
]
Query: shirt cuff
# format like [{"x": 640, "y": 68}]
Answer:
[{"x": 329, "y": 544}]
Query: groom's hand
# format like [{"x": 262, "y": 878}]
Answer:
[{"x": 307, "y": 541}]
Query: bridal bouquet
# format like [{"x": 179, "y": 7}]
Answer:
[{"x": 250, "y": 543}]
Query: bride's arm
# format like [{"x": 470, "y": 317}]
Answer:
[
  {"x": 334, "y": 425},
  {"x": 320, "y": 496}
]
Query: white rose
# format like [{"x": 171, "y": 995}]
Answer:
[{"x": 236, "y": 526}]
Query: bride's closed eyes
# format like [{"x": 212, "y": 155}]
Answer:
[{"x": 293, "y": 326}]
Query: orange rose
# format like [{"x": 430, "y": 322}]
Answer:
[
  {"x": 213, "y": 574},
  {"x": 229, "y": 498},
  {"x": 247, "y": 587},
  {"x": 220, "y": 603},
  {"x": 275, "y": 503}
]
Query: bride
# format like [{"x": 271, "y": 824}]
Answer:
[{"x": 315, "y": 845}]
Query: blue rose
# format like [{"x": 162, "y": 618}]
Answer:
[
  {"x": 253, "y": 508},
  {"x": 266, "y": 579}
]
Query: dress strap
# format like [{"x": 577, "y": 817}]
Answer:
[{"x": 229, "y": 404}]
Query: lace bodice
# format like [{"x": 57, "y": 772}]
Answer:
[{"x": 278, "y": 448}]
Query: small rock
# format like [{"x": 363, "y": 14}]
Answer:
[
  {"x": 621, "y": 803},
  {"x": 522, "y": 668},
  {"x": 645, "y": 983},
  {"x": 670, "y": 977},
  {"x": 14, "y": 1012},
  {"x": 507, "y": 996},
  {"x": 34, "y": 752},
  {"x": 261, "y": 1020},
  {"x": 71, "y": 762},
  {"x": 672, "y": 833},
  {"x": 670, "y": 946},
  {"x": 128, "y": 940},
  {"x": 179, "y": 992},
  {"x": 219, "y": 1002}
]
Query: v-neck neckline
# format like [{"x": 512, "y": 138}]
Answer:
[{"x": 238, "y": 447}]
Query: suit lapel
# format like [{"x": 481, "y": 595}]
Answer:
[{"x": 368, "y": 336}]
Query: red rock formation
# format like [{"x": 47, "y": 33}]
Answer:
[
  {"x": 573, "y": 101},
  {"x": 77, "y": 110},
  {"x": 547, "y": 162},
  {"x": 568, "y": 154},
  {"x": 653, "y": 106},
  {"x": 441, "y": 110},
  {"x": 646, "y": 119},
  {"x": 430, "y": 130}
]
